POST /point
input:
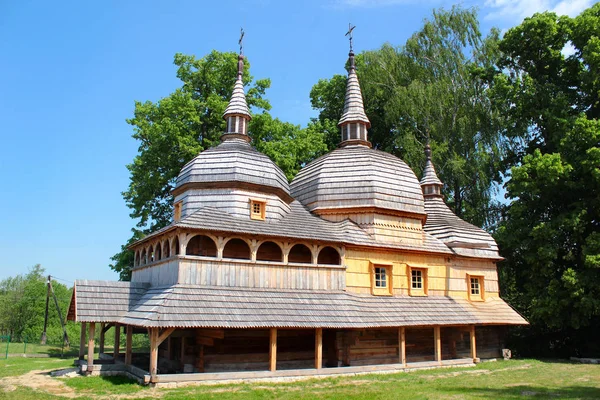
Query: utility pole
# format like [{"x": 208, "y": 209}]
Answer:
[
  {"x": 43, "y": 340},
  {"x": 62, "y": 322}
]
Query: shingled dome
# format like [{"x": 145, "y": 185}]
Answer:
[
  {"x": 234, "y": 160},
  {"x": 358, "y": 176}
]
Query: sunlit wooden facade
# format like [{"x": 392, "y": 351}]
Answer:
[{"x": 354, "y": 266}]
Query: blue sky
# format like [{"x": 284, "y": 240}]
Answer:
[{"x": 71, "y": 71}]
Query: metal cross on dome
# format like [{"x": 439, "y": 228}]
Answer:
[
  {"x": 349, "y": 33},
  {"x": 240, "y": 41}
]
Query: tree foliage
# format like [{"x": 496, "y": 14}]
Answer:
[
  {"x": 176, "y": 128},
  {"x": 550, "y": 234},
  {"x": 23, "y": 304},
  {"x": 434, "y": 86}
]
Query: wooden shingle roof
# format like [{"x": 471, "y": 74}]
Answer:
[
  {"x": 234, "y": 160},
  {"x": 462, "y": 237},
  {"x": 357, "y": 176},
  {"x": 298, "y": 224},
  {"x": 190, "y": 306},
  {"x": 103, "y": 301}
]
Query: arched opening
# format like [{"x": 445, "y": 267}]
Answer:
[
  {"x": 300, "y": 254},
  {"x": 236, "y": 248},
  {"x": 158, "y": 251},
  {"x": 176, "y": 245},
  {"x": 201, "y": 245},
  {"x": 167, "y": 248},
  {"x": 151, "y": 254},
  {"x": 143, "y": 258},
  {"x": 136, "y": 261},
  {"x": 328, "y": 255},
  {"x": 269, "y": 251}
]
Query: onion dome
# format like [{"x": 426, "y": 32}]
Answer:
[
  {"x": 234, "y": 164},
  {"x": 462, "y": 237},
  {"x": 355, "y": 178}
]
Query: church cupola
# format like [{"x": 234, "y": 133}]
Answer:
[
  {"x": 430, "y": 183},
  {"x": 354, "y": 122},
  {"x": 237, "y": 113}
]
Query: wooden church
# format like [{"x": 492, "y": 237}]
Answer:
[{"x": 355, "y": 266}]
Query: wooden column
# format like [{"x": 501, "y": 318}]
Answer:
[
  {"x": 200, "y": 362},
  {"x": 402, "y": 346},
  {"x": 117, "y": 341},
  {"x": 438, "y": 344},
  {"x": 101, "y": 344},
  {"x": 473, "y": 344},
  {"x": 82, "y": 341},
  {"x": 319, "y": 348},
  {"x": 182, "y": 354},
  {"x": 273, "y": 350},
  {"x": 90, "y": 360},
  {"x": 153, "y": 353},
  {"x": 128, "y": 344}
]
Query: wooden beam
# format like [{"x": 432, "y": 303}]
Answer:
[
  {"x": 128, "y": 344},
  {"x": 82, "y": 341},
  {"x": 273, "y": 350},
  {"x": 153, "y": 353},
  {"x": 165, "y": 334},
  {"x": 206, "y": 341},
  {"x": 211, "y": 333},
  {"x": 90, "y": 360},
  {"x": 319, "y": 348},
  {"x": 107, "y": 327},
  {"x": 473, "y": 344},
  {"x": 402, "y": 346},
  {"x": 200, "y": 362},
  {"x": 438, "y": 344},
  {"x": 117, "y": 342},
  {"x": 101, "y": 344},
  {"x": 182, "y": 354}
]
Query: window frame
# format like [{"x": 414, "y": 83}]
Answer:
[
  {"x": 177, "y": 210},
  {"x": 481, "y": 281},
  {"x": 263, "y": 207},
  {"x": 387, "y": 290},
  {"x": 424, "y": 289}
]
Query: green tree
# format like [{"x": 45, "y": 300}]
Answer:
[
  {"x": 175, "y": 129},
  {"x": 550, "y": 235},
  {"x": 434, "y": 86}
]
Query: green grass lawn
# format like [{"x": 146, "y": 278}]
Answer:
[{"x": 513, "y": 379}]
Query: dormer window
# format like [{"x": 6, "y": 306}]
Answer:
[
  {"x": 475, "y": 288},
  {"x": 381, "y": 279},
  {"x": 177, "y": 211},
  {"x": 257, "y": 209}
]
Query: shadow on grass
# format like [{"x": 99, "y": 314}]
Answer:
[
  {"x": 119, "y": 380},
  {"x": 56, "y": 352},
  {"x": 525, "y": 391}
]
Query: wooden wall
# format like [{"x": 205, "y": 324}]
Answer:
[
  {"x": 233, "y": 201},
  {"x": 445, "y": 276},
  {"x": 233, "y": 273}
]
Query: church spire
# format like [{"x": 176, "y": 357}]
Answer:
[
  {"x": 237, "y": 113},
  {"x": 430, "y": 183},
  {"x": 354, "y": 122}
]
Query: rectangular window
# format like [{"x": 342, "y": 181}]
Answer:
[
  {"x": 475, "y": 289},
  {"x": 475, "y": 286},
  {"x": 257, "y": 209},
  {"x": 380, "y": 277},
  {"x": 417, "y": 281},
  {"x": 177, "y": 211}
]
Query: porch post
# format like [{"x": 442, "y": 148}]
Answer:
[
  {"x": 402, "y": 346},
  {"x": 273, "y": 350},
  {"x": 101, "y": 344},
  {"x": 128, "y": 344},
  {"x": 473, "y": 344},
  {"x": 117, "y": 341},
  {"x": 438, "y": 344},
  {"x": 82, "y": 341},
  {"x": 153, "y": 353},
  {"x": 319, "y": 348},
  {"x": 90, "y": 359}
]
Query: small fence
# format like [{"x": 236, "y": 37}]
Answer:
[{"x": 4, "y": 343}]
